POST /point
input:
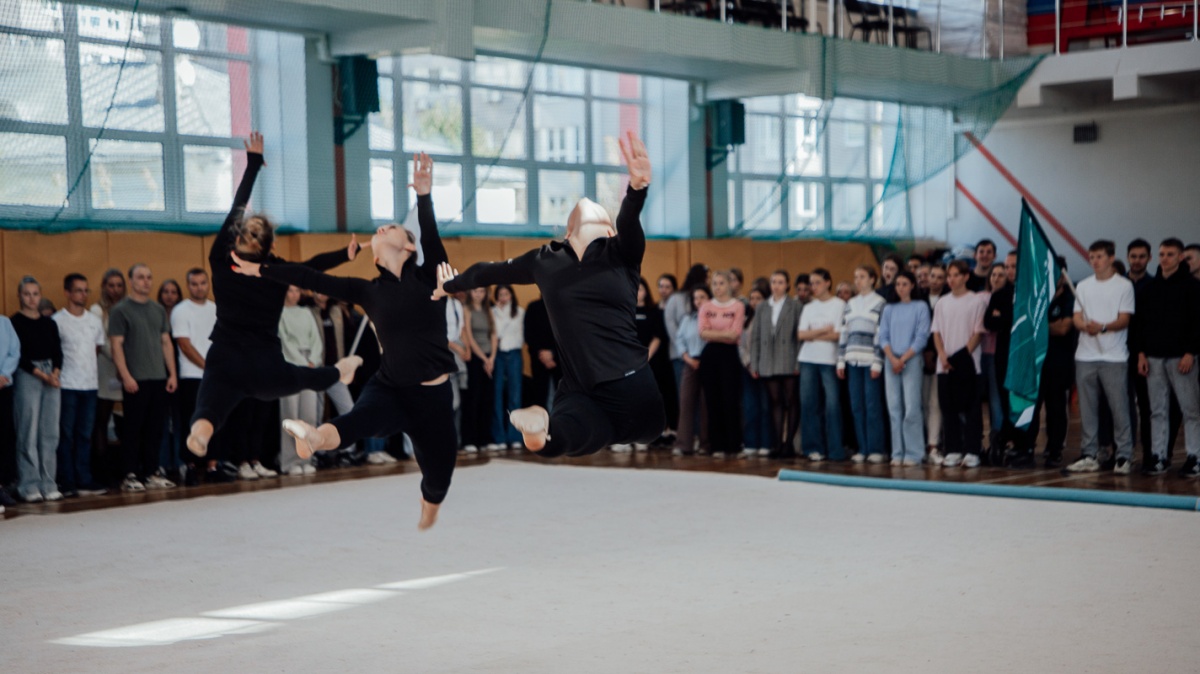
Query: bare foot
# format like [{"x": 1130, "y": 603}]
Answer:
[
  {"x": 304, "y": 434},
  {"x": 197, "y": 440},
  {"x": 534, "y": 424},
  {"x": 429, "y": 513},
  {"x": 346, "y": 368}
]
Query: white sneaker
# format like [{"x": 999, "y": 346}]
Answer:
[
  {"x": 494, "y": 447},
  {"x": 246, "y": 472},
  {"x": 858, "y": 458},
  {"x": 815, "y": 457},
  {"x": 346, "y": 368},
  {"x": 157, "y": 481},
  {"x": 971, "y": 461},
  {"x": 380, "y": 458},
  {"x": 309, "y": 469},
  {"x": 1085, "y": 465},
  {"x": 55, "y": 495},
  {"x": 718, "y": 455},
  {"x": 908, "y": 463},
  {"x": 471, "y": 449},
  {"x": 296, "y": 470},
  {"x": 763, "y": 451},
  {"x": 641, "y": 446},
  {"x": 1122, "y": 468},
  {"x": 895, "y": 462},
  {"x": 749, "y": 453},
  {"x": 621, "y": 449},
  {"x": 131, "y": 483},
  {"x": 32, "y": 498},
  {"x": 876, "y": 458},
  {"x": 262, "y": 470},
  {"x": 934, "y": 458},
  {"x": 516, "y": 446},
  {"x": 952, "y": 460}
]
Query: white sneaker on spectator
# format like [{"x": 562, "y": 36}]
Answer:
[
  {"x": 309, "y": 469},
  {"x": 35, "y": 497},
  {"x": 494, "y": 447},
  {"x": 55, "y": 495},
  {"x": 1085, "y": 465},
  {"x": 907, "y": 463},
  {"x": 934, "y": 458},
  {"x": 620, "y": 448},
  {"x": 380, "y": 458},
  {"x": 971, "y": 461},
  {"x": 262, "y": 470},
  {"x": 470, "y": 449},
  {"x": 246, "y": 472},
  {"x": 641, "y": 446},
  {"x": 749, "y": 453},
  {"x": 858, "y": 458},
  {"x": 1122, "y": 467},
  {"x": 516, "y": 446},
  {"x": 952, "y": 460},
  {"x": 815, "y": 457},
  {"x": 763, "y": 451},
  {"x": 876, "y": 458},
  {"x": 131, "y": 483},
  {"x": 296, "y": 470},
  {"x": 157, "y": 481}
]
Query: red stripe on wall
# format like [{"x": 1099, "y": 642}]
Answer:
[{"x": 1012, "y": 240}]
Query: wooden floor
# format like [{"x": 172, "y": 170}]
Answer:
[{"x": 1169, "y": 483}]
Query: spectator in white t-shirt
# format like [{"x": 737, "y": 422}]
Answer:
[
  {"x": 1104, "y": 307},
  {"x": 192, "y": 323},
  {"x": 82, "y": 335},
  {"x": 819, "y": 327}
]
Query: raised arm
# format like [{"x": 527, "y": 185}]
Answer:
[
  {"x": 631, "y": 239},
  {"x": 254, "y": 161},
  {"x": 350, "y": 289},
  {"x": 431, "y": 241}
]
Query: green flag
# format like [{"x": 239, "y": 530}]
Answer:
[{"x": 1038, "y": 272}]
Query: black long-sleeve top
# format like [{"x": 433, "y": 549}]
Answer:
[
  {"x": 539, "y": 336},
  {"x": 591, "y": 300},
  {"x": 411, "y": 327},
  {"x": 1167, "y": 322},
  {"x": 248, "y": 308},
  {"x": 39, "y": 341}
]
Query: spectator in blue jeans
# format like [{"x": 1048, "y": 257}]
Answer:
[
  {"x": 821, "y": 410},
  {"x": 758, "y": 433},
  {"x": 509, "y": 318},
  {"x": 903, "y": 333},
  {"x": 36, "y": 398},
  {"x": 82, "y": 335},
  {"x": 860, "y": 362}
]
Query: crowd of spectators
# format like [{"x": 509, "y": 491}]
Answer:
[{"x": 893, "y": 365}]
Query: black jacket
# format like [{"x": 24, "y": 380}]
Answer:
[
  {"x": 1167, "y": 321},
  {"x": 590, "y": 301}
]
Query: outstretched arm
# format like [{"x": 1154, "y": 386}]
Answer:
[
  {"x": 254, "y": 161},
  {"x": 350, "y": 289},
  {"x": 324, "y": 261},
  {"x": 517, "y": 271},
  {"x": 631, "y": 239}
]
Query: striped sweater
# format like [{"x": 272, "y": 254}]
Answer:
[{"x": 858, "y": 343}]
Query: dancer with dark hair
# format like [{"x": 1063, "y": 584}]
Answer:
[
  {"x": 410, "y": 393},
  {"x": 589, "y": 283},
  {"x": 246, "y": 358}
]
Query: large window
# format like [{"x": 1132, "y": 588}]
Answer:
[
  {"x": 113, "y": 116},
  {"x": 813, "y": 167},
  {"x": 504, "y": 160}
]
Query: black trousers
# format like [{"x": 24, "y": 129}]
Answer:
[
  {"x": 244, "y": 436},
  {"x": 1054, "y": 394},
  {"x": 721, "y": 380},
  {"x": 538, "y": 392},
  {"x": 477, "y": 406},
  {"x": 621, "y": 411},
  {"x": 8, "y": 438},
  {"x": 232, "y": 374},
  {"x": 145, "y": 421},
  {"x": 664, "y": 376},
  {"x": 425, "y": 413},
  {"x": 962, "y": 413}
]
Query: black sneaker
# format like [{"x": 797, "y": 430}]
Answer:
[
  {"x": 1020, "y": 460},
  {"x": 219, "y": 476},
  {"x": 1053, "y": 459},
  {"x": 6, "y": 499},
  {"x": 1157, "y": 467},
  {"x": 1191, "y": 467}
]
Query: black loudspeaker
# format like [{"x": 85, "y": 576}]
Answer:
[
  {"x": 729, "y": 123},
  {"x": 360, "y": 85},
  {"x": 1087, "y": 133}
]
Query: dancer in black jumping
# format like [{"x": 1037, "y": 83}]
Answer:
[
  {"x": 589, "y": 283},
  {"x": 246, "y": 359},
  {"x": 411, "y": 391}
]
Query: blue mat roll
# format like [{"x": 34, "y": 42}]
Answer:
[{"x": 1135, "y": 499}]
